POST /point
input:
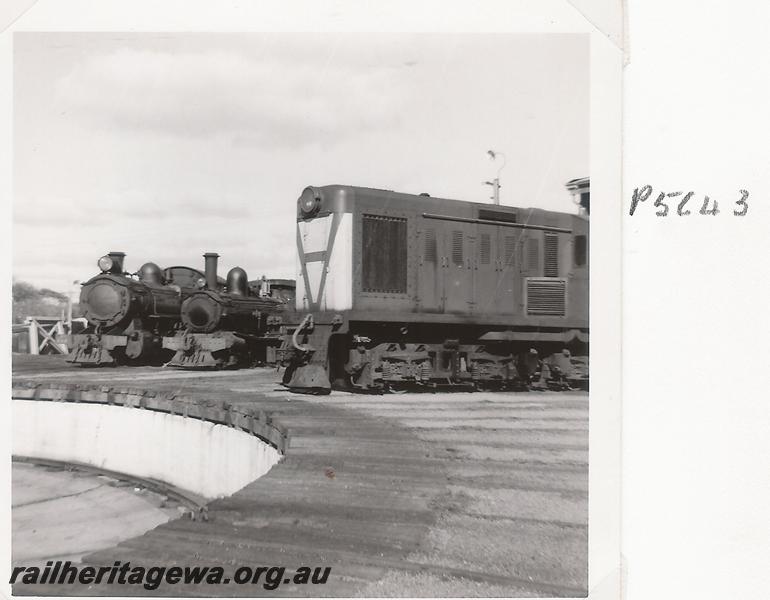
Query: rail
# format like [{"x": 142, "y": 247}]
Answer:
[{"x": 195, "y": 504}]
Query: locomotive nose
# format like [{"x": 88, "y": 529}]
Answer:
[
  {"x": 104, "y": 302},
  {"x": 201, "y": 313}
]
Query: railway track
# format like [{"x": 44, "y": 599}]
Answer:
[{"x": 194, "y": 504}]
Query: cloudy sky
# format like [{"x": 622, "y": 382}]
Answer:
[{"x": 165, "y": 146}]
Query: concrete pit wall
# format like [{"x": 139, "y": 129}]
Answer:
[{"x": 212, "y": 459}]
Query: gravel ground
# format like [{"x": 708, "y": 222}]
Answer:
[{"x": 517, "y": 500}]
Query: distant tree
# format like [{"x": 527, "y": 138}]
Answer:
[
  {"x": 52, "y": 294},
  {"x": 23, "y": 291},
  {"x": 30, "y": 301}
]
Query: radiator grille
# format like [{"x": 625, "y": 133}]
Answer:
[
  {"x": 533, "y": 255},
  {"x": 430, "y": 245},
  {"x": 551, "y": 267},
  {"x": 383, "y": 257},
  {"x": 510, "y": 249},
  {"x": 486, "y": 249},
  {"x": 546, "y": 297},
  {"x": 457, "y": 248}
]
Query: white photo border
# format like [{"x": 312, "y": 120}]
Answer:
[{"x": 499, "y": 16}]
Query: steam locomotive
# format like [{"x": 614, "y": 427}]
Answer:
[
  {"x": 396, "y": 291},
  {"x": 128, "y": 316},
  {"x": 238, "y": 325}
]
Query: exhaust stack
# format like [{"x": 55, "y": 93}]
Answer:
[
  {"x": 117, "y": 261},
  {"x": 211, "y": 270}
]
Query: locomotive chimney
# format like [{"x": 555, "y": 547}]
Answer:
[
  {"x": 211, "y": 269},
  {"x": 117, "y": 261}
]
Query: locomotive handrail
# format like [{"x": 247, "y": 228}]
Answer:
[
  {"x": 500, "y": 223},
  {"x": 307, "y": 321}
]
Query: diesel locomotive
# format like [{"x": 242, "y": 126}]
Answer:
[
  {"x": 231, "y": 326},
  {"x": 127, "y": 315},
  {"x": 397, "y": 290}
]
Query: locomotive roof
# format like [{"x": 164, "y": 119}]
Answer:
[
  {"x": 197, "y": 272},
  {"x": 428, "y": 198}
]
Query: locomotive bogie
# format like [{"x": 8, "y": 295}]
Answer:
[
  {"x": 387, "y": 355},
  {"x": 133, "y": 344},
  {"x": 96, "y": 350},
  {"x": 391, "y": 365},
  {"x": 219, "y": 350}
]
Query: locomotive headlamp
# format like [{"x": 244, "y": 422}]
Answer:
[
  {"x": 200, "y": 282},
  {"x": 309, "y": 202},
  {"x": 105, "y": 263}
]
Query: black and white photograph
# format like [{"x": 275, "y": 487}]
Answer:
[
  {"x": 309, "y": 313},
  {"x": 385, "y": 298}
]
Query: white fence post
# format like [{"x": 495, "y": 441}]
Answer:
[{"x": 34, "y": 347}]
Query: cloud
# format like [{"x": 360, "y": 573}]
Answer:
[
  {"x": 277, "y": 100},
  {"x": 114, "y": 210}
]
